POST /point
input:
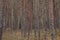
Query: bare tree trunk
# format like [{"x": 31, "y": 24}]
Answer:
[
  {"x": 29, "y": 8},
  {"x": 36, "y": 18},
  {"x": 57, "y": 15},
  {"x": 24, "y": 18},
  {"x": 2, "y": 19},
  {"x": 45, "y": 22},
  {"x": 11, "y": 14},
  {"x": 15, "y": 15},
  {"x": 51, "y": 18}
]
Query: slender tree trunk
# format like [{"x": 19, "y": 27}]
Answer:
[
  {"x": 51, "y": 18},
  {"x": 36, "y": 18},
  {"x": 45, "y": 22},
  {"x": 11, "y": 15},
  {"x": 2, "y": 6},
  {"x": 29, "y": 16},
  {"x": 24, "y": 18}
]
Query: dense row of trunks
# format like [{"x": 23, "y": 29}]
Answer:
[{"x": 28, "y": 15}]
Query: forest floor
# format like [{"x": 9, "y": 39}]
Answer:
[{"x": 7, "y": 35}]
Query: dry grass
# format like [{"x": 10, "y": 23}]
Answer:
[{"x": 17, "y": 35}]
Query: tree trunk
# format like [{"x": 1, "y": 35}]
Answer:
[
  {"x": 2, "y": 10},
  {"x": 36, "y": 18},
  {"x": 51, "y": 18}
]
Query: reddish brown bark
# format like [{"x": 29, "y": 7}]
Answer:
[
  {"x": 51, "y": 18},
  {"x": 29, "y": 18}
]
